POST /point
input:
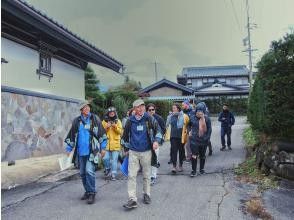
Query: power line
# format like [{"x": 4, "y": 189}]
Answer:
[{"x": 235, "y": 15}]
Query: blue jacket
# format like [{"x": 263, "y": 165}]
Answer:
[
  {"x": 139, "y": 135},
  {"x": 227, "y": 119},
  {"x": 97, "y": 137}
]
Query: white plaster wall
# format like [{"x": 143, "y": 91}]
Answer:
[{"x": 20, "y": 72}]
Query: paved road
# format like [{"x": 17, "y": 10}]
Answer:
[{"x": 210, "y": 196}]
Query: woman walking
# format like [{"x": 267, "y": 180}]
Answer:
[
  {"x": 178, "y": 136},
  {"x": 113, "y": 128},
  {"x": 200, "y": 132}
]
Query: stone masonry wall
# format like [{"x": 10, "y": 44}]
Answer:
[{"x": 33, "y": 126}]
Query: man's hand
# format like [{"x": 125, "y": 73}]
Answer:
[
  {"x": 68, "y": 154},
  {"x": 155, "y": 145},
  {"x": 190, "y": 133}
]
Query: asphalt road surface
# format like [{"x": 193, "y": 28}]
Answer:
[{"x": 210, "y": 196}]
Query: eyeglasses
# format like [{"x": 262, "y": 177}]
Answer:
[{"x": 151, "y": 110}]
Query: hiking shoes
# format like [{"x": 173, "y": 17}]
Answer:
[
  {"x": 223, "y": 148},
  {"x": 130, "y": 204},
  {"x": 85, "y": 196},
  {"x": 146, "y": 199},
  {"x": 91, "y": 198}
]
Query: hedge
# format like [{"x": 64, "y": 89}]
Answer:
[{"x": 271, "y": 102}]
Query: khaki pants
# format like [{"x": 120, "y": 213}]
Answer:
[{"x": 135, "y": 159}]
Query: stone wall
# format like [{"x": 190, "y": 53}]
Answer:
[{"x": 34, "y": 126}]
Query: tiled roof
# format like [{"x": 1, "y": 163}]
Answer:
[
  {"x": 233, "y": 70},
  {"x": 167, "y": 82}
]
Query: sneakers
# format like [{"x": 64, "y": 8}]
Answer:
[
  {"x": 174, "y": 170},
  {"x": 91, "y": 198},
  {"x": 85, "y": 196},
  {"x": 193, "y": 173},
  {"x": 202, "y": 172},
  {"x": 180, "y": 169},
  {"x": 153, "y": 181},
  {"x": 229, "y": 147},
  {"x": 146, "y": 199},
  {"x": 113, "y": 178},
  {"x": 223, "y": 148},
  {"x": 130, "y": 204},
  {"x": 106, "y": 172}
]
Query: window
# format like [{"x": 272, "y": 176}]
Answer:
[
  {"x": 45, "y": 54},
  {"x": 45, "y": 63}
]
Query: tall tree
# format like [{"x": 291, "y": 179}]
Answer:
[{"x": 92, "y": 92}]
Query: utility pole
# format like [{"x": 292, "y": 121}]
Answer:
[
  {"x": 155, "y": 69},
  {"x": 249, "y": 50}
]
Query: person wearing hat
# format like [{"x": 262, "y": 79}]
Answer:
[
  {"x": 199, "y": 135},
  {"x": 87, "y": 137},
  {"x": 141, "y": 134},
  {"x": 113, "y": 128},
  {"x": 227, "y": 120}
]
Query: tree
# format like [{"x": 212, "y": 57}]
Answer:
[
  {"x": 92, "y": 92},
  {"x": 271, "y": 103}
]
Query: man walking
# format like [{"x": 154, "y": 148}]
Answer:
[
  {"x": 85, "y": 135},
  {"x": 227, "y": 120},
  {"x": 140, "y": 135},
  {"x": 151, "y": 108}
]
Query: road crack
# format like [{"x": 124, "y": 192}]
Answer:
[{"x": 226, "y": 192}]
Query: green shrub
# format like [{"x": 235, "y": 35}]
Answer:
[{"x": 271, "y": 103}]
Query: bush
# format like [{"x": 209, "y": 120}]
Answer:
[
  {"x": 162, "y": 107},
  {"x": 121, "y": 100},
  {"x": 237, "y": 106},
  {"x": 271, "y": 102}
]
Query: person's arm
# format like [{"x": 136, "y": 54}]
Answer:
[
  {"x": 118, "y": 127},
  {"x": 209, "y": 129},
  {"x": 220, "y": 117},
  {"x": 70, "y": 138},
  {"x": 157, "y": 130},
  {"x": 232, "y": 118}
]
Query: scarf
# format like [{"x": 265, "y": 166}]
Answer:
[{"x": 202, "y": 126}]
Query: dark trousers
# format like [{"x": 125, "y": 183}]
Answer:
[
  {"x": 88, "y": 175},
  {"x": 209, "y": 146},
  {"x": 177, "y": 146},
  {"x": 226, "y": 131},
  {"x": 198, "y": 151}
]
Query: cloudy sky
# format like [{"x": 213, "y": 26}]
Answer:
[{"x": 173, "y": 33}]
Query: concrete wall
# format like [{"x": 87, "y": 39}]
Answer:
[
  {"x": 166, "y": 91},
  {"x": 20, "y": 72},
  {"x": 33, "y": 126}
]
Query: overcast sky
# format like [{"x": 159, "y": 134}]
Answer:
[{"x": 173, "y": 33}]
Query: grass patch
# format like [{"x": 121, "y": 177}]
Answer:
[
  {"x": 250, "y": 137},
  {"x": 248, "y": 172}
]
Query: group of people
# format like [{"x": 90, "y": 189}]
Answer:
[{"x": 138, "y": 137}]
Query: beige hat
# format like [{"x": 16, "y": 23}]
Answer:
[
  {"x": 84, "y": 104},
  {"x": 138, "y": 102}
]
